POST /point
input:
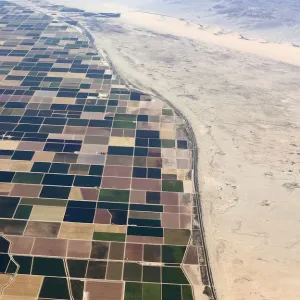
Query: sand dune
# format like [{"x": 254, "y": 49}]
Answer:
[{"x": 283, "y": 52}]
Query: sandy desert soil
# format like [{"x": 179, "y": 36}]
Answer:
[{"x": 244, "y": 109}]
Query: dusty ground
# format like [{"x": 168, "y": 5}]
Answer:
[{"x": 245, "y": 113}]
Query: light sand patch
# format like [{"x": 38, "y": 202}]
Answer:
[
  {"x": 110, "y": 228},
  {"x": 188, "y": 186},
  {"x": 76, "y": 194},
  {"x": 47, "y": 213},
  {"x": 121, "y": 141},
  {"x": 5, "y": 188},
  {"x": 193, "y": 274},
  {"x": 4, "y": 280},
  {"x": 62, "y": 100},
  {"x": 43, "y": 156},
  {"x": 6, "y": 165},
  {"x": 169, "y": 171},
  {"x": 11, "y": 82},
  {"x": 22, "y": 166},
  {"x": 183, "y": 174},
  {"x": 76, "y": 231},
  {"x": 167, "y": 134},
  {"x": 23, "y": 287},
  {"x": 9, "y": 145}
]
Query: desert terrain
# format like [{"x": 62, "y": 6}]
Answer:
[{"x": 244, "y": 109}]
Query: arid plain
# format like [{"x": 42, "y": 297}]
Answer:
[{"x": 244, "y": 109}]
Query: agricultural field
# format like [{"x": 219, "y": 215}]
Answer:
[{"x": 96, "y": 180}]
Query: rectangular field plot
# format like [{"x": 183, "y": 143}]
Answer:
[{"x": 96, "y": 180}]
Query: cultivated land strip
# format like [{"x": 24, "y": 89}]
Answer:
[{"x": 71, "y": 128}]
